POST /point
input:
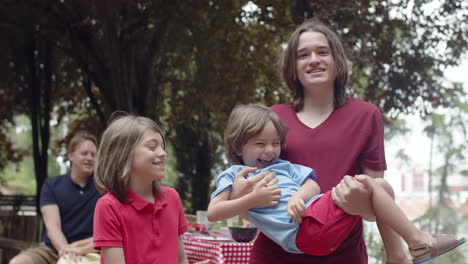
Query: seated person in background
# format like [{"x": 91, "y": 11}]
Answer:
[
  {"x": 303, "y": 221},
  {"x": 67, "y": 205}
]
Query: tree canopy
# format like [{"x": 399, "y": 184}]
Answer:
[{"x": 187, "y": 63}]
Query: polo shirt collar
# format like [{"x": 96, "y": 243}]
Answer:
[
  {"x": 139, "y": 203},
  {"x": 89, "y": 182}
]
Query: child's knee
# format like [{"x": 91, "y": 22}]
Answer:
[{"x": 386, "y": 186}]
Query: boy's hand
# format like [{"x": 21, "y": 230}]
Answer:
[
  {"x": 71, "y": 253},
  {"x": 296, "y": 208},
  {"x": 265, "y": 194},
  {"x": 243, "y": 186}
]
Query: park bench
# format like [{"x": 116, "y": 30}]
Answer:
[{"x": 20, "y": 226}]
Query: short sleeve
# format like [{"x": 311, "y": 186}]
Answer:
[
  {"x": 47, "y": 194},
  {"x": 107, "y": 226},
  {"x": 223, "y": 182},
  {"x": 183, "y": 224},
  {"x": 301, "y": 173},
  {"x": 373, "y": 155}
]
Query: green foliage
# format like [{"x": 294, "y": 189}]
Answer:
[
  {"x": 20, "y": 180},
  {"x": 19, "y": 176},
  {"x": 395, "y": 127},
  {"x": 187, "y": 63},
  {"x": 447, "y": 131},
  {"x": 228, "y": 58}
]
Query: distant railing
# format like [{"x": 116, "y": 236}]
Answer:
[{"x": 18, "y": 203}]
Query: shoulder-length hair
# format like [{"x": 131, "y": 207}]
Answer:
[
  {"x": 289, "y": 66},
  {"x": 245, "y": 122},
  {"x": 115, "y": 154}
]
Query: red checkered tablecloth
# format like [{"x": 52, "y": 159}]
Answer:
[{"x": 218, "y": 252}]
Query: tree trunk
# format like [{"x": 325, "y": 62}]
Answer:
[
  {"x": 39, "y": 85},
  {"x": 202, "y": 178},
  {"x": 431, "y": 230},
  {"x": 194, "y": 160}
]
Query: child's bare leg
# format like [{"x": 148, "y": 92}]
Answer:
[
  {"x": 391, "y": 240},
  {"x": 391, "y": 217}
]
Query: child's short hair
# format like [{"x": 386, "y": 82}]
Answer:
[
  {"x": 115, "y": 154},
  {"x": 245, "y": 122}
]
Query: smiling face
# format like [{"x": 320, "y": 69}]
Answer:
[
  {"x": 315, "y": 64},
  {"x": 82, "y": 158},
  {"x": 149, "y": 157},
  {"x": 263, "y": 149}
]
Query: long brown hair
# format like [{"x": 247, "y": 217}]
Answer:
[
  {"x": 115, "y": 154},
  {"x": 289, "y": 68}
]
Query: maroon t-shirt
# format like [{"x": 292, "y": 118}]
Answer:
[{"x": 350, "y": 139}]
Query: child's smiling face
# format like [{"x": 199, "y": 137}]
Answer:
[
  {"x": 149, "y": 156},
  {"x": 263, "y": 149}
]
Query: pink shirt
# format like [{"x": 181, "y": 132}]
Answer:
[{"x": 147, "y": 232}]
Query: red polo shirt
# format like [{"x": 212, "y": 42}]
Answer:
[{"x": 147, "y": 232}]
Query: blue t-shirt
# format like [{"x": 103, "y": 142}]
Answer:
[
  {"x": 76, "y": 206},
  {"x": 274, "y": 221}
]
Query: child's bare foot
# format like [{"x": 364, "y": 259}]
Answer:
[{"x": 438, "y": 245}]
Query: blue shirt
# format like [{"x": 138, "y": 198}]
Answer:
[
  {"x": 76, "y": 206},
  {"x": 274, "y": 221}
]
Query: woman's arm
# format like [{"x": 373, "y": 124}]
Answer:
[
  {"x": 113, "y": 255},
  {"x": 296, "y": 205},
  {"x": 373, "y": 173},
  {"x": 221, "y": 208}
]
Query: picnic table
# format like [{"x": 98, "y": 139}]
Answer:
[{"x": 218, "y": 247}]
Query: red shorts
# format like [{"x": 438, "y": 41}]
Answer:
[{"x": 324, "y": 227}]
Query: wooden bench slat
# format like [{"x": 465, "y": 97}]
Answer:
[{"x": 10, "y": 243}]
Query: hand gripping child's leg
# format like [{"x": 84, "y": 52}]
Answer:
[{"x": 422, "y": 246}]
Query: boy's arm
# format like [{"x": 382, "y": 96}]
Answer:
[
  {"x": 221, "y": 208},
  {"x": 296, "y": 205}
]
